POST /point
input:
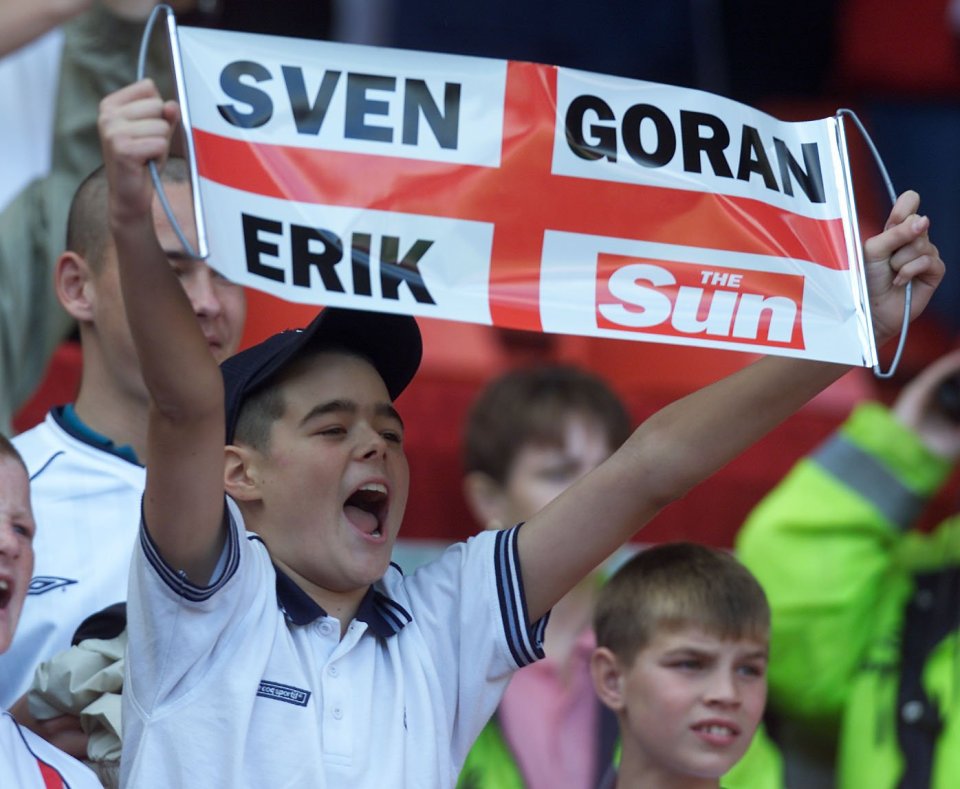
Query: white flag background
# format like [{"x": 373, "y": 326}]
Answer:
[{"x": 524, "y": 196}]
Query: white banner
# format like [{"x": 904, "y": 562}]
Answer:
[{"x": 523, "y": 195}]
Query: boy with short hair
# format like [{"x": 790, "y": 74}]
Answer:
[
  {"x": 296, "y": 655},
  {"x": 26, "y": 760},
  {"x": 682, "y": 640}
]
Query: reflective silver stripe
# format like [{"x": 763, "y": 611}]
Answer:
[{"x": 870, "y": 479}]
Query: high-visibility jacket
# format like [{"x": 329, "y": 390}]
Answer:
[{"x": 866, "y": 611}]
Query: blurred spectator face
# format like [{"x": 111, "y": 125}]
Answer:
[
  {"x": 220, "y": 305},
  {"x": 541, "y": 472}
]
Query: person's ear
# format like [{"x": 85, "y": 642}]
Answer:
[
  {"x": 608, "y": 680},
  {"x": 240, "y": 473},
  {"x": 486, "y": 499},
  {"x": 73, "y": 280}
]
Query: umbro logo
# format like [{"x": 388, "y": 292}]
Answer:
[{"x": 41, "y": 584}]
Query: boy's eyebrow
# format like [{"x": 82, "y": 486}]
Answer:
[
  {"x": 387, "y": 410},
  {"x": 760, "y": 652},
  {"x": 688, "y": 650},
  {"x": 340, "y": 406},
  {"x": 21, "y": 514}
]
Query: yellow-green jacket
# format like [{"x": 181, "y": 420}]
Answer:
[{"x": 866, "y": 612}]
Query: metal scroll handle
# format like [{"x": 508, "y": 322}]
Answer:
[
  {"x": 908, "y": 291},
  {"x": 154, "y": 174}
]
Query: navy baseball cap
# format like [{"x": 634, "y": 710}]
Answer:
[{"x": 391, "y": 343}]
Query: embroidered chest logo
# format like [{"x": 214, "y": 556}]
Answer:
[
  {"x": 40, "y": 584},
  {"x": 287, "y": 693}
]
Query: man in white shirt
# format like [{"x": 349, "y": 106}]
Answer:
[{"x": 85, "y": 457}]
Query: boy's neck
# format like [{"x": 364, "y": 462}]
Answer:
[
  {"x": 119, "y": 416},
  {"x": 638, "y": 772},
  {"x": 343, "y": 606}
]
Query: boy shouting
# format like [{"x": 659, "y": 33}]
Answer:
[{"x": 272, "y": 644}]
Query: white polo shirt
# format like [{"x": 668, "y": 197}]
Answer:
[
  {"x": 86, "y": 502},
  {"x": 26, "y": 760},
  {"x": 246, "y": 683}
]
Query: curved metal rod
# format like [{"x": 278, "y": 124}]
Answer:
[
  {"x": 908, "y": 291},
  {"x": 152, "y": 165}
]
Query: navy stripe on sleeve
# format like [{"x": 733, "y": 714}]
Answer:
[
  {"x": 177, "y": 580},
  {"x": 525, "y": 642}
]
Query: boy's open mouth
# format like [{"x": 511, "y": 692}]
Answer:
[
  {"x": 366, "y": 507},
  {"x": 718, "y": 729},
  {"x": 717, "y": 732},
  {"x": 5, "y": 593}
]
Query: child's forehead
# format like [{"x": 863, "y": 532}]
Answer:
[
  {"x": 14, "y": 482},
  {"x": 12, "y": 469},
  {"x": 557, "y": 429},
  {"x": 691, "y": 635}
]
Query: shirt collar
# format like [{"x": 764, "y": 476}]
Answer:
[
  {"x": 383, "y": 616},
  {"x": 66, "y": 416}
]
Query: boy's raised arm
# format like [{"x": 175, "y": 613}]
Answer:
[
  {"x": 183, "y": 498},
  {"x": 684, "y": 443}
]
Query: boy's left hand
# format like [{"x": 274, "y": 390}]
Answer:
[{"x": 902, "y": 253}]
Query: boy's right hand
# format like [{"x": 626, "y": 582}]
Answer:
[{"x": 136, "y": 126}]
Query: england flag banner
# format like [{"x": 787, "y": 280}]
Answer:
[{"x": 521, "y": 195}]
